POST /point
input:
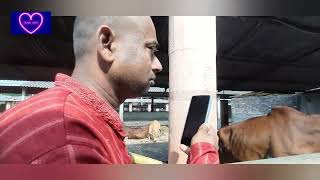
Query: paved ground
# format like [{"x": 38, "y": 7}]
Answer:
[
  {"x": 156, "y": 150},
  {"x": 144, "y": 123}
]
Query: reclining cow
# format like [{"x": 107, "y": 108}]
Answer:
[
  {"x": 283, "y": 132},
  {"x": 152, "y": 131}
]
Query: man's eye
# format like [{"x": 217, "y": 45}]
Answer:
[
  {"x": 153, "y": 49},
  {"x": 152, "y": 53}
]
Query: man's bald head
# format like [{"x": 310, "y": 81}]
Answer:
[
  {"x": 86, "y": 27},
  {"x": 118, "y": 52}
]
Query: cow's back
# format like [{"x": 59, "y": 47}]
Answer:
[{"x": 294, "y": 132}]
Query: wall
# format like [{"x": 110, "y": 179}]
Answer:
[
  {"x": 248, "y": 107},
  {"x": 310, "y": 103},
  {"x": 143, "y": 118}
]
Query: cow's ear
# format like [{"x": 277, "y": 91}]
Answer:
[{"x": 224, "y": 135}]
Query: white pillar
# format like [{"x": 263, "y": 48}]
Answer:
[
  {"x": 121, "y": 111},
  {"x": 149, "y": 107},
  {"x": 8, "y": 105},
  {"x": 23, "y": 93},
  {"x": 218, "y": 109},
  {"x": 167, "y": 107},
  {"x": 130, "y": 107},
  {"x": 192, "y": 71}
]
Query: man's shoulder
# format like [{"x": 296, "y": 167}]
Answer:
[
  {"x": 48, "y": 102},
  {"x": 33, "y": 126}
]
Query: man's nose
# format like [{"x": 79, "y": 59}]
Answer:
[{"x": 156, "y": 65}]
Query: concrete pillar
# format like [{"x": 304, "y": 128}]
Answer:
[
  {"x": 121, "y": 111},
  {"x": 192, "y": 71},
  {"x": 218, "y": 111},
  {"x": 8, "y": 105},
  {"x": 23, "y": 93},
  {"x": 130, "y": 107},
  {"x": 149, "y": 107},
  {"x": 167, "y": 107}
]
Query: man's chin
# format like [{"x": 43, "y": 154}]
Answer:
[
  {"x": 146, "y": 90},
  {"x": 140, "y": 91}
]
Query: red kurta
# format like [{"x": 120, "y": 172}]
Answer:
[{"x": 69, "y": 124}]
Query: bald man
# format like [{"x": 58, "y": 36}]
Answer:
[{"x": 76, "y": 121}]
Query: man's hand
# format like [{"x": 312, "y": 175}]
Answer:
[{"x": 205, "y": 133}]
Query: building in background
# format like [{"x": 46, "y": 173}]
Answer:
[{"x": 156, "y": 100}]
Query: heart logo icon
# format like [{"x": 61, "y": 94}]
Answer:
[{"x": 30, "y": 26}]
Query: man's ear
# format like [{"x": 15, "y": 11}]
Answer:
[{"x": 105, "y": 40}]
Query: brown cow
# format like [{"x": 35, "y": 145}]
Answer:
[
  {"x": 283, "y": 132},
  {"x": 152, "y": 131}
]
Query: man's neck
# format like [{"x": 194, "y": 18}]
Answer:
[{"x": 104, "y": 91}]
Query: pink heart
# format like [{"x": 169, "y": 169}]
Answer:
[{"x": 30, "y": 17}]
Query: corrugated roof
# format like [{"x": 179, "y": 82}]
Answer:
[
  {"x": 10, "y": 98},
  {"x": 49, "y": 84},
  {"x": 33, "y": 84},
  {"x": 157, "y": 89}
]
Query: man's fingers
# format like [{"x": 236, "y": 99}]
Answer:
[
  {"x": 204, "y": 128},
  {"x": 184, "y": 148}
]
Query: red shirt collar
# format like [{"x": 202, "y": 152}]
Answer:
[{"x": 89, "y": 97}]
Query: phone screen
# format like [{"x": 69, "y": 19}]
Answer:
[{"x": 198, "y": 114}]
